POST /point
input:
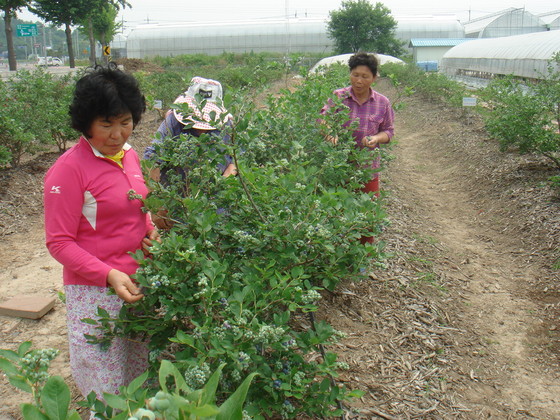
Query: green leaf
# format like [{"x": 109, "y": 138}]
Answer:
[
  {"x": 356, "y": 393},
  {"x": 74, "y": 415},
  {"x": 232, "y": 408},
  {"x": 209, "y": 390},
  {"x": 24, "y": 348},
  {"x": 204, "y": 411},
  {"x": 115, "y": 401},
  {"x": 183, "y": 338},
  {"x": 137, "y": 383},
  {"x": 10, "y": 355},
  {"x": 8, "y": 367},
  {"x": 31, "y": 412},
  {"x": 55, "y": 398},
  {"x": 167, "y": 369},
  {"x": 20, "y": 383}
]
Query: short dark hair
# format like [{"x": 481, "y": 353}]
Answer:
[
  {"x": 364, "y": 59},
  {"x": 105, "y": 91}
]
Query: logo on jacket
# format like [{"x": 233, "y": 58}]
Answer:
[{"x": 55, "y": 189}]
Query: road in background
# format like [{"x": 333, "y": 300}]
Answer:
[{"x": 5, "y": 73}]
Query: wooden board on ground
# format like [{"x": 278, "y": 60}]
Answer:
[{"x": 33, "y": 307}]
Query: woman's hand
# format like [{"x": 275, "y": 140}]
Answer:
[
  {"x": 148, "y": 241},
  {"x": 331, "y": 139},
  {"x": 230, "y": 170},
  {"x": 370, "y": 141},
  {"x": 373, "y": 141},
  {"x": 124, "y": 286}
]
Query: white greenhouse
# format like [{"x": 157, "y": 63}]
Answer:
[
  {"x": 507, "y": 22},
  {"x": 551, "y": 19},
  {"x": 444, "y": 26},
  {"x": 520, "y": 55},
  {"x": 343, "y": 59},
  {"x": 282, "y": 36}
]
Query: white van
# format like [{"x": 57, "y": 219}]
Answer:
[{"x": 49, "y": 61}]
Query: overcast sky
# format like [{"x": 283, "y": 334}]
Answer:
[{"x": 169, "y": 11}]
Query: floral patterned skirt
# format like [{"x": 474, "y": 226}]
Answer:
[{"x": 94, "y": 368}]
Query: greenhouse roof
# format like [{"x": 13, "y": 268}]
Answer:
[
  {"x": 199, "y": 29},
  {"x": 537, "y": 45},
  {"x": 479, "y": 24},
  {"x": 343, "y": 59},
  {"x": 549, "y": 17},
  {"x": 437, "y": 42}
]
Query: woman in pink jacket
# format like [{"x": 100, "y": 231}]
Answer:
[{"x": 94, "y": 220}]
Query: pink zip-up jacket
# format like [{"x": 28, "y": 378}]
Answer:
[{"x": 91, "y": 221}]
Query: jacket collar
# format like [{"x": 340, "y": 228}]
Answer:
[{"x": 97, "y": 153}]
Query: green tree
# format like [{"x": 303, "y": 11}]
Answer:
[
  {"x": 97, "y": 8},
  {"x": 104, "y": 23},
  {"x": 359, "y": 26},
  {"x": 62, "y": 14},
  {"x": 10, "y": 8}
]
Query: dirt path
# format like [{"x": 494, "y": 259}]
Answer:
[
  {"x": 489, "y": 270},
  {"x": 460, "y": 323}
]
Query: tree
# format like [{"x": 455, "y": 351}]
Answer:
[
  {"x": 98, "y": 7},
  {"x": 76, "y": 12},
  {"x": 104, "y": 24},
  {"x": 10, "y": 7},
  {"x": 358, "y": 26},
  {"x": 63, "y": 14}
]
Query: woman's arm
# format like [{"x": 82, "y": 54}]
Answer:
[{"x": 64, "y": 198}]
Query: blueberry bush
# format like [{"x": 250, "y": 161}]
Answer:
[
  {"x": 171, "y": 399},
  {"x": 34, "y": 114},
  {"x": 525, "y": 115},
  {"x": 238, "y": 278}
]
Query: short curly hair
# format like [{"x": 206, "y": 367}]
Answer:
[
  {"x": 105, "y": 91},
  {"x": 364, "y": 59}
]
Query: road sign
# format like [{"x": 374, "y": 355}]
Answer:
[
  {"x": 27, "y": 30},
  {"x": 106, "y": 50}
]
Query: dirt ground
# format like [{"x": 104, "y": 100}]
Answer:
[{"x": 460, "y": 322}]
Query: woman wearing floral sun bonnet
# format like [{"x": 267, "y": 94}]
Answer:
[
  {"x": 372, "y": 110},
  {"x": 94, "y": 219}
]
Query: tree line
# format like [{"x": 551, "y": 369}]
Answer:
[{"x": 96, "y": 17}]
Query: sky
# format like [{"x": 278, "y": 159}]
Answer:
[{"x": 173, "y": 11}]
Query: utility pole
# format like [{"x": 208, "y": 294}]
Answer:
[{"x": 44, "y": 42}]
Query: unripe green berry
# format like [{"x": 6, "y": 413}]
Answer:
[
  {"x": 143, "y": 414},
  {"x": 162, "y": 405},
  {"x": 161, "y": 395}
]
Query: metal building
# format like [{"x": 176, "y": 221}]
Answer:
[
  {"x": 520, "y": 55},
  {"x": 432, "y": 49}
]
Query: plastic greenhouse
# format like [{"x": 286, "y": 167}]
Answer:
[
  {"x": 343, "y": 59},
  {"x": 445, "y": 26},
  {"x": 551, "y": 19},
  {"x": 283, "y": 36},
  {"x": 520, "y": 55},
  {"x": 505, "y": 23}
]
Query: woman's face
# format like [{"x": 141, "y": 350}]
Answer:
[
  {"x": 108, "y": 135},
  {"x": 361, "y": 79}
]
